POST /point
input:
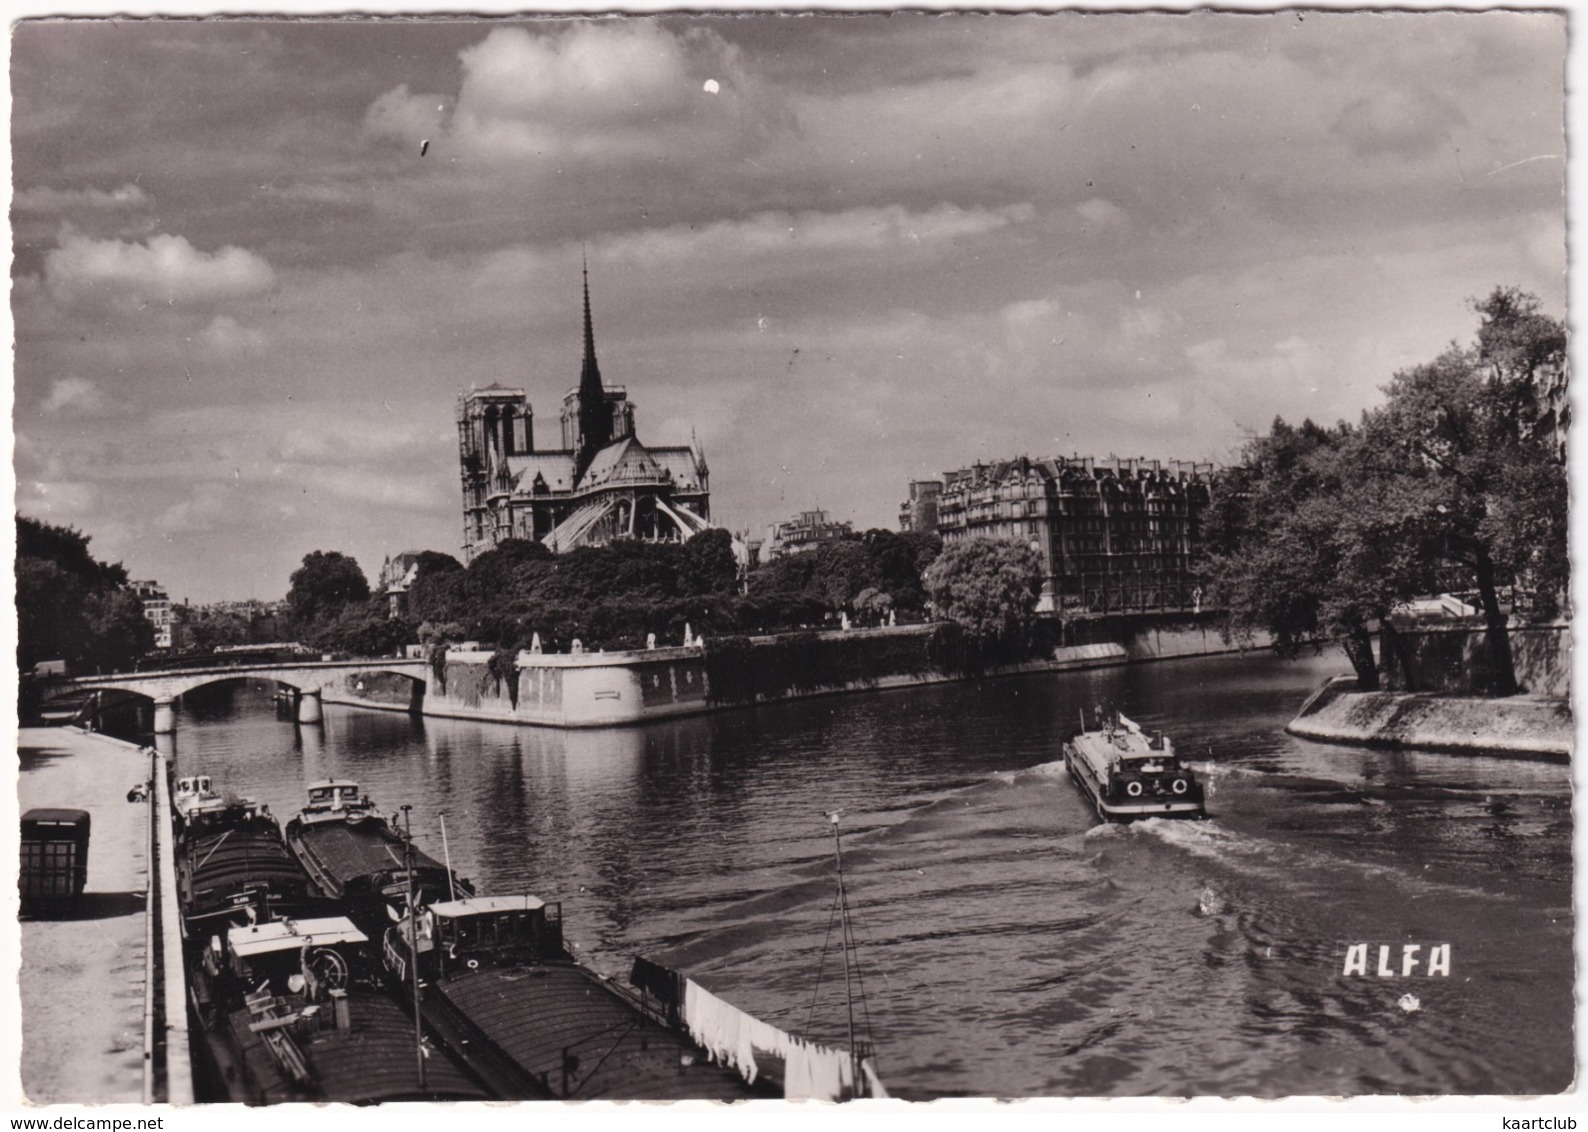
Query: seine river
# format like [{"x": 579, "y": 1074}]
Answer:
[{"x": 1009, "y": 944}]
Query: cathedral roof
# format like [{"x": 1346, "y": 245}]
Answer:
[
  {"x": 681, "y": 462},
  {"x": 625, "y": 461},
  {"x": 556, "y": 468}
]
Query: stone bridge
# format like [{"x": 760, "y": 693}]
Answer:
[{"x": 307, "y": 678}]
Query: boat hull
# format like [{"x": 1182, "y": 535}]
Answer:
[
  {"x": 365, "y": 863},
  {"x": 1111, "y": 807},
  {"x": 225, "y": 870},
  {"x": 559, "y": 1031},
  {"x": 371, "y": 1062}
]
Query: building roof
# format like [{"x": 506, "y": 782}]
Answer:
[
  {"x": 556, "y": 468},
  {"x": 625, "y": 461},
  {"x": 283, "y": 935},
  {"x": 474, "y": 905},
  {"x": 680, "y": 461}
]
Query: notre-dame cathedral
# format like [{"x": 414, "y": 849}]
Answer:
[{"x": 599, "y": 485}]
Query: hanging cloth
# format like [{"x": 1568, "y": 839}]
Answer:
[{"x": 733, "y": 1038}]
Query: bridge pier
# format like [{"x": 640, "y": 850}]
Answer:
[
  {"x": 164, "y": 715},
  {"x": 309, "y": 706}
]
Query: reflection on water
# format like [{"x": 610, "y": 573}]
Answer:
[{"x": 1011, "y": 945}]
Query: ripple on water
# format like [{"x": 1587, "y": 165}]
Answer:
[{"x": 1010, "y": 944}]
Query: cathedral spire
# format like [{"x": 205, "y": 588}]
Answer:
[
  {"x": 595, "y": 415},
  {"x": 590, "y": 378}
]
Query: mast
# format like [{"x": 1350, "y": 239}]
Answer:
[
  {"x": 413, "y": 944},
  {"x": 848, "y": 945},
  {"x": 446, "y": 853}
]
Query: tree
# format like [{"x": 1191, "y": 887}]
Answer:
[
  {"x": 72, "y": 607},
  {"x": 989, "y": 587},
  {"x": 362, "y": 630},
  {"x": 50, "y": 613},
  {"x": 67, "y": 547},
  {"x": 323, "y": 586},
  {"x": 707, "y": 565},
  {"x": 896, "y": 564},
  {"x": 118, "y": 632},
  {"x": 873, "y": 605},
  {"x": 1470, "y": 429},
  {"x": 1297, "y": 552},
  {"x": 436, "y": 593},
  {"x": 205, "y": 630},
  {"x": 1323, "y": 532}
]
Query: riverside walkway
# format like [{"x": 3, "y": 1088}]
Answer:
[{"x": 101, "y": 1022}]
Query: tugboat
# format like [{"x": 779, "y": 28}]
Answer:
[
  {"x": 355, "y": 855},
  {"x": 294, "y": 1010},
  {"x": 1127, "y": 774},
  {"x": 232, "y": 864}
]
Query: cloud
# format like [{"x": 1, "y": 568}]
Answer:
[
  {"x": 408, "y": 117},
  {"x": 164, "y": 269},
  {"x": 1408, "y": 122},
  {"x": 596, "y": 89},
  {"x": 73, "y": 394},
  {"x": 225, "y": 337},
  {"x": 209, "y": 508},
  {"x": 861, "y": 230},
  {"x": 1100, "y": 212},
  {"x": 43, "y": 199}
]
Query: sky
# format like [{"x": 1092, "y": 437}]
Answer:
[{"x": 840, "y": 252}]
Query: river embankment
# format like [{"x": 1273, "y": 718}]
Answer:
[
  {"x": 605, "y": 689},
  {"x": 1513, "y": 726}
]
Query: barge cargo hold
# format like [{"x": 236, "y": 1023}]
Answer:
[
  {"x": 356, "y": 856},
  {"x": 501, "y": 991},
  {"x": 232, "y": 862},
  {"x": 498, "y": 987}
]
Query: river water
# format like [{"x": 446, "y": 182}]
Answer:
[{"x": 1010, "y": 945}]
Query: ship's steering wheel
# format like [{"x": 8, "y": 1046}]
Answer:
[{"x": 328, "y": 968}]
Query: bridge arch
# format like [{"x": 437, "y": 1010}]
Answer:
[{"x": 309, "y": 680}]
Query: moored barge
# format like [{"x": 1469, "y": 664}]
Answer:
[
  {"x": 355, "y": 855},
  {"x": 499, "y": 987},
  {"x": 294, "y": 1010},
  {"x": 232, "y": 863},
  {"x": 1128, "y": 774}
]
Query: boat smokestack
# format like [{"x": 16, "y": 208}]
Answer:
[{"x": 339, "y": 1009}]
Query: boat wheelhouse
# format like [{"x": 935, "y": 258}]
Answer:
[
  {"x": 335, "y": 800},
  {"x": 1127, "y": 774}
]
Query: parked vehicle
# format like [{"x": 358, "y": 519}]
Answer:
[{"x": 54, "y": 861}]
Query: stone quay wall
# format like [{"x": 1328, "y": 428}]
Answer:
[
  {"x": 605, "y": 689},
  {"x": 1454, "y": 659},
  {"x": 1525, "y": 726}
]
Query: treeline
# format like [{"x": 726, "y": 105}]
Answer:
[
  {"x": 73, "y": 607},
  {"x": 1456, "y": 483},
  {"x": 612, "y": 596}
]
